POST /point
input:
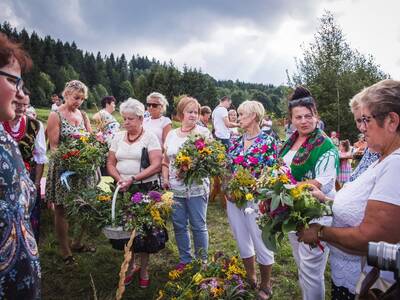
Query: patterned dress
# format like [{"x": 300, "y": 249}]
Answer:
[
  {"x": 55, "y": 191},
  {"x": 19, "y": 258}
]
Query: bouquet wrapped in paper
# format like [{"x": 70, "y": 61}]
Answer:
[
  {"x": 284, "y": 205},
  {"x": 199, "y": 158}
]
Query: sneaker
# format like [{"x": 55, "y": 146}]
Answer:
[
  {"x": 180, "y": 267},
  {"x": 144, "y": 283},
  {"x": 129, "y": 278}
]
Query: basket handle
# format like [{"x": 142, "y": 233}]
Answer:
[{"x": 114, "y": 199}]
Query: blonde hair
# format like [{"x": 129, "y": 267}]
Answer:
[
  {"x": 252, "y": 106},
  {"x": 133, "y": 106},
  {"x": 161, "y": 98},
  {"x": 75, "y": 86},
  {"x": 183, "y": 103}
]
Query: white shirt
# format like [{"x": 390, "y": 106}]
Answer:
[
  {"x": 156, "y": 126},
  {"x": 129, "y": 155},
  {"x": 173, "y": 143},
  {"x": 218, "y": 116},
  {"x": 54, "y": 107},
  {"x": 378, "y": 182}
]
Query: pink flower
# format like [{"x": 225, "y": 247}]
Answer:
[
  {"x": 255, "y": 150},
  {"x": 238, "y": 160},
  {"x": 100, "y": 137},
  {"x": 199, "y": 144},
  {"x": 76, "y": 136},
  {"x": 137, "y": 197},
  {"x": 264, "y": 148},
  {"x": 253, "y": 160}
]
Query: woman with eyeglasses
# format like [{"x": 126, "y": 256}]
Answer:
[
  {"x": 312, "y": 158},
  {"x": 19, "y": 263},
  {"x": 368, "y": 208},
  {"x": 157, "y": 123}
]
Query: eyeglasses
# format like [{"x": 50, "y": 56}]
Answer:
[
  {"x": 301, "y": 101},
  {"x": 19, "y": 83},
  {"x": 307, "y": 117},
  {"x": 366, "y": 119},
  {"x": 153, "y": 105}
]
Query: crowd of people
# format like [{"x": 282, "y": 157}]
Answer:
[{"x": 366, "y": 201}]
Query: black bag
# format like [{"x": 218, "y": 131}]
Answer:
[
  {"x": 144, "y": 160},
  {"x": 151, "y": 242}
]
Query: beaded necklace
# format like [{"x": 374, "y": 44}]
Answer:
[{"x": 19, "y": 134}]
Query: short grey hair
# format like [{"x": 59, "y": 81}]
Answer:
[
  {"x": 75, "y": 86},
  {"x": 133, "y": 106},
  {"x": 161, "y": 98},
  {"x": 252, "y": 106}
]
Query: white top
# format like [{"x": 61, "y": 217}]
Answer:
[
  {"x": 129, "y": 155},
  {"x": 173, "y": 143},
  {"x": 379, "y": 182},
  {"x": 54, "y": 107},
  {"x": 218, "y": 115},
  {"x": 156, "y": 126},
  {"x": 39, "y": 148}
]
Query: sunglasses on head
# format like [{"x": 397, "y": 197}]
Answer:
[
  {"x": 153, "y": 105},
  {"x": 301, "y": 101}
]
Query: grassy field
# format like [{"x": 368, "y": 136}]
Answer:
[{"x": 96, "y": 274}]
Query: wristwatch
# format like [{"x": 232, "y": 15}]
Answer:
[{"x": 320, "y": 233}]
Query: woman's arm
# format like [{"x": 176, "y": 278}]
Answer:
[
  {"x": 112, "y": 166},
  {"x": 86, "y": 122},
  {"x": 165, "y": 131},
  {"x": 53, "y": 130},
  {"x": 165, "y": 170},
  {"x": 155, "y": 157}
]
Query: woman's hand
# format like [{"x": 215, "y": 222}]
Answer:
[
  {"x": 309, "y": 235},
  {"x": 125, "y": 184},
  {"x": 165, "y": 184},
  {"x": 316, "y": 192}
]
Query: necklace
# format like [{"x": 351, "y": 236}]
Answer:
[
  {"x": 186, "y": 131},
  {"x": 19, "y": 134},
  {"x": 247, "y": 138},
  {"x": 136, "y": 138}
]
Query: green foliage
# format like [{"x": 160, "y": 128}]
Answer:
[{"x": 335, "y": 73}]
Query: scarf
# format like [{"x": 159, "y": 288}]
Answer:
[{"x": 305, "y": 159}]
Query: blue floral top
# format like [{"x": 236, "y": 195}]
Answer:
[
  {"x": 262, "y": 153},
  {"x": 19, "y": 257},
  {"x": 367, "y": 159}
]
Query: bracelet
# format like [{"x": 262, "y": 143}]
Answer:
[{"x": 320, "y": 233}]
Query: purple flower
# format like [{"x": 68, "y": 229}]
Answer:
[
  {"x": 137, "y": 197},
  {"x": 155, "y": 196}
]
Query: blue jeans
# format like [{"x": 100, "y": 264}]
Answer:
[
  {"x": 191, "y": 210},
  {"x": 225, "y": 142}
]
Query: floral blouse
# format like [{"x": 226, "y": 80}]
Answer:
[{"x": 262, "y": 153}]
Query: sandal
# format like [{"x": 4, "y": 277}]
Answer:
[
  {"x": 84, "y": 248},
  {"x": 69, "y": 260},
  {"x": 266, "y": 291},
  {"x": 129, "y": 277}
]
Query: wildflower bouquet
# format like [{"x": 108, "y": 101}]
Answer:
[
  {"x": 241, "y": 187},
  {"x": 222, "y": 278},
  {"x": 81, "y": 154},
  {"x": 285, "y": 206},
  {"x": 198, "y": 158}
]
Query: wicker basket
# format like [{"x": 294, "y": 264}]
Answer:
[{"x": 117, "y": 236}]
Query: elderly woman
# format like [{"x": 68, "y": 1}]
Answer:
[
  {"x": 190, "y": 201},
  {"x": 158, "y": 124},
  {"x": 368, "y": 208},
  {"x": 123, "y": 164},
  {"x": 253, "y": 150},
  {"x": 19, "y": 266},
  {"x": 106, "y": 122},
  {"x": 205, "y": 114},
  {"x": 312, "y": 158},
  {"x": 62, "y": 124}
]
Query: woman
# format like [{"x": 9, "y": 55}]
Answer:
[
  {"x": 205, "y": 114},
  {"x": 106, "y": 122},
  {"x": 190, "y": 201},
  {"x": 123, "y": 164},
  {"x": 158, "y": 124},
  {"x": 62, "y": 124},
  {"x": 368, "y": 208},
  {"x": 253, "y": 150},
  {"x": 232, "y": 116},
  {"x": 345, "y": 156},
  {"x": 19, "y": 266},
  {"x": 312, "y": 158}
]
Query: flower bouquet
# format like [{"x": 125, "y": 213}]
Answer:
[
  {"x": 241, "y": 187},
  {"x": 199, "y": 158},
  {"x": 285, "y": 206},
  {"x": 222, "y": 278}
]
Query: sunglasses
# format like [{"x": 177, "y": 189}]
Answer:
[
  {"x": 301, "y": 101},
  {"x": 153, "y": 105},
  {"x": 19, "y": 83}
]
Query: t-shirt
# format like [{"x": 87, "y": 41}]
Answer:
[
  {"x": 378, "y": 182},
  {"x": 156, "y": 126},
  {"x": 129, "y": 155},
  {"x": 173, "y": 143},
  {"x": 218, "y": 115},
  {"x": 54, "y": 107}
]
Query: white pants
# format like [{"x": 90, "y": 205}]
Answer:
[
  {"x": 311, "y": 265},
  {"x": 248, "y": 235}
]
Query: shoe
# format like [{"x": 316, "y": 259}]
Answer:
[
  {"x": 129, "y": 278},
  {"x": 144, "y": 283},
  {"x": 180, "y": 267}
]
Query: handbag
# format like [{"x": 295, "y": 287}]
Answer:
[
  {"x": 144, "y": 159},
  {"x": 151, "y": 241}
]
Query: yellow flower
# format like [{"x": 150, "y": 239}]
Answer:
[
  {"x": 249, "y": 196},
  {"x": 205, "y": 150},
  {"x": 296, "y": 192},
  {"x": 174, "y": 274},
  {"x": 104, "y": 198},
  {"x": 197, "y": 278},
  {"x": 84, "y": 139},
  {"x": 220, "y": 157},
  {"x": 155, "y": 214},
  {"x": 284, "y": 179},
  {"x": 217, "y": 292},
  {"x": 167, "y": 197},
  {"x": 160, "y": 295}
]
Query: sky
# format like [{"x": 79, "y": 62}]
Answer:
[{"x": 252, "y": 41}]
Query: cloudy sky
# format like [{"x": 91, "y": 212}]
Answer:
[{"x": 254, "y": 40}]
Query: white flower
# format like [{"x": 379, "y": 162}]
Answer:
[
  {"x": 289, "y": 186},
  {"x": 249, "y": 210}
]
